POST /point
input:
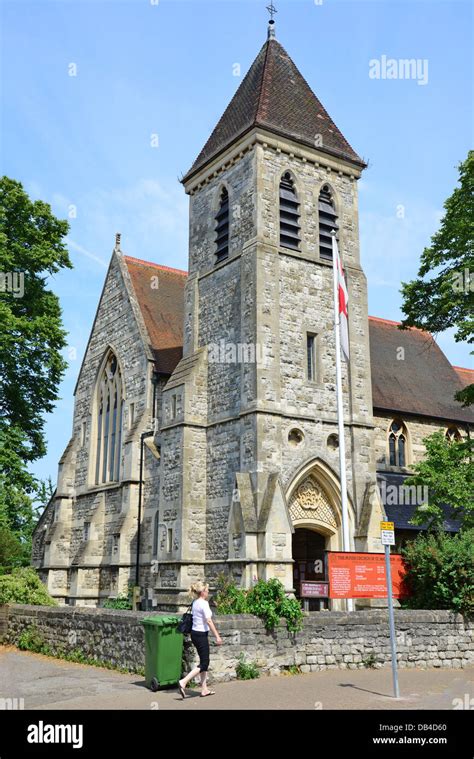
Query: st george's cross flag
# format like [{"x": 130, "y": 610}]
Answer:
[{"x": 343, "y": 299}]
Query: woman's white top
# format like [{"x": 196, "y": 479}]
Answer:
[{"x": 201, "y": 612}]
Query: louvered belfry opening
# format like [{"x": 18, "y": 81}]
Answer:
[
  {"x": 222, "y": 227},
  {"x": 289, "y": 214},
  {"x": 327, "y": 222}
]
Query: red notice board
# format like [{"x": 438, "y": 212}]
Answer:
[{"x": 362, "y": 575}]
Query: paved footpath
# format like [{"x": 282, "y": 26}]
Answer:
[{"x": 47, "y": 683}]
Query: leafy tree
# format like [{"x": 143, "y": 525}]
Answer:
[
  {"x": 31, "y": 340},
  {"x": 31, "y": 332},
  {"x": 440, "y": 572},
  {"x": 448, "y": 472},
  {"x": 442, "y": 296},
  {"x": 12, "y": 552}
]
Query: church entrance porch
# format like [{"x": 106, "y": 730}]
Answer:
[
  {"x": 309, "y": 554},
  {"x": 314, "y": 503}
]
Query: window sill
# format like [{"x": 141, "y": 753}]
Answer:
[{"x": 304, "y": 255}]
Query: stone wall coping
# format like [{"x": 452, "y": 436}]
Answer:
[
  {"x": 311, "y": 619},
  {"x": 122, "y": 615}
]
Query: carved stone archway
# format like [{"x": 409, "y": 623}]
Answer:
[
  {"x": 310, "y": 503},
  {"x": 314, "y": 502}
]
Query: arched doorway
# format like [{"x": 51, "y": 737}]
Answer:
[
  {"x": 309, "y": 555},
  {"x": 314, "y": 499}
]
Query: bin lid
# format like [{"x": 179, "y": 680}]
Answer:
[{"x": 161, "y": 620}]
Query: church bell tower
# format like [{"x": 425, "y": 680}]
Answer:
[{"x": 250, "y": 426}]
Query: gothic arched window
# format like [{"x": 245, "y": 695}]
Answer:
[
  {"x": 222, "y": 227},
  {"x": 289, "y": 214},
  {"x": 397, "y": 444},
  {"x": 109, "y": 422},
  {"x": 327, "y": 222},
  {"x": 453, "y": 434}
]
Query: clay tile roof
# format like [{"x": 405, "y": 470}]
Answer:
[
  {"x": 424, "y": 382},
  {"x": 465, "y": 375},
  {"x": 162, "y": 309},
  {"x": 274, "y": 95}
]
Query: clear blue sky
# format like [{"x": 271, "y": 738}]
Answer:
[{"x": 167, "y": 68}]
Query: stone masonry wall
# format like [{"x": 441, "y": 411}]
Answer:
[{"x": 329, "y": 640}]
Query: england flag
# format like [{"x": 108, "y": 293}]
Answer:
[{"x": 343, "y": 299}]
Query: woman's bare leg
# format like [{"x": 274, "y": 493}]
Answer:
[
  {"x": 204, "y": 687},
  {"x": 189, "y": 677}
]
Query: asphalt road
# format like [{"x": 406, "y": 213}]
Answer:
[{"x": 46, "y": 683}]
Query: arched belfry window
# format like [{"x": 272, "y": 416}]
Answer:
[
  {"x": 222, "y": 227},
  {"x": 397, "y": 444},
  {"x": 289, "y": 214},
  {"x": 109, "y": 422},
  {"x": 327, "y": 222}
]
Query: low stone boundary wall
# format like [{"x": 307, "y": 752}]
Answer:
[
  {"x": 3, "y": 621},
  {"x": 328, "y": 640}
]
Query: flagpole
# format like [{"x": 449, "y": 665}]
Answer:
[{"x": 340, "y": 410}]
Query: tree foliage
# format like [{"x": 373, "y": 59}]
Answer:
[
  {"x": 440, "y": 571},
  {"x": 32, "y": 337},
  {"x": 31, "y": 332},
  {"x": 447, "y": 471},
  {"x": 442, "y": 296},
  {"x": 23, "y": 586}
]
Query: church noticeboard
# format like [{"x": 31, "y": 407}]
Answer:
[
  {"x": 314, "y": 589},
  {"x": 362, "y": 575}
]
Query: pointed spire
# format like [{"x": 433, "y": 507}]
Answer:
[{"x": 275, "y": 96}]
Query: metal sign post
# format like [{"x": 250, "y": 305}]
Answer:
[{"x": 388, "y": 539}]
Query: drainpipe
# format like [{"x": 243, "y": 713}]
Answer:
[{"x": 143, "y": 436}]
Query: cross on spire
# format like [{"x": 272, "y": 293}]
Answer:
[
  {"x": 271, "y": 9},
  {"x": 271, "y": 24}
]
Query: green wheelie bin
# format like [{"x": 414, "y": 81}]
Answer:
[{"x": 163, "y": 651}]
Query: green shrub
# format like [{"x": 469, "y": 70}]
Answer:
[
  {"x": 440, "y": 571},
  {"x": 246, "y": 670},
  {"x": 266, "y": 600},
  {"x": 230, "y": 599},
  {"x": 31, "y": 639},
  {"x": 123, "y": 601},
  {"x": 369, "y": 661},
  {"x": 291, "y": 669},
  {"x": 23, "y": 586}
]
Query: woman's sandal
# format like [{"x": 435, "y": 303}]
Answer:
[
  {"x": 182, "y": 691},
  {"x": 211, "y": 693}
]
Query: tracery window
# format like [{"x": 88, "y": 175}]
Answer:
[
  {"x": 109, "y": 422},
  {"x": 397, "y": 444}
]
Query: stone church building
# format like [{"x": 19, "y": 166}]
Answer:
[{"x": 205, "y": 432}]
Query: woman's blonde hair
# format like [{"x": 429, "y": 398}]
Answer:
[{"x": 197, "y": 588}]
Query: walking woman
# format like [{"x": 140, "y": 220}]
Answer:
[{"x": 200, "y": 637}]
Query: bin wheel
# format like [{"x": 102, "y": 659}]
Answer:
[{"x": 154, "y": 684}]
